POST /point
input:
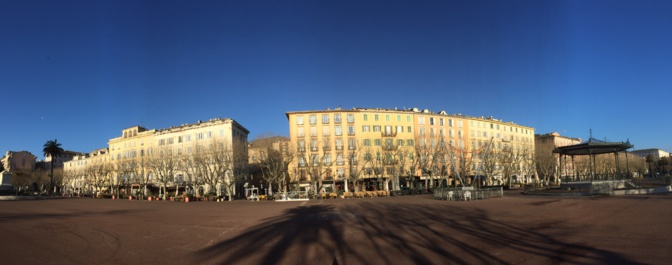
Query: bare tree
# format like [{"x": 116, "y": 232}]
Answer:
[
  {"x": 425, "y": 161},
  {"x": 528, "y": 161},
  {"x": 317, "y": 164},
  {"x": 98, "y": 173},
  {"x": 509, "y": 161},
  {"x": 273, "y": 165},
  {"x": 356, "y": 163},
  {"x": 162, "y": 163},
  {"x": 192, "y": 173},
  {"x": 234, "y": 166}
]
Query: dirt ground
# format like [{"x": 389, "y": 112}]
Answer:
[{"x": 515, "y": 229}]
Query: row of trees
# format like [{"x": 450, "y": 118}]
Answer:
[
  {"x": 391, "y": 160},
  {"x": 439, "y": 161},
  {"x": 215, "y": 166}
]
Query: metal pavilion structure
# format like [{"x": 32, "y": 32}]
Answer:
[{"x": 593, "y": 147}]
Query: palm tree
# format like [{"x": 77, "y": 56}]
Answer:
[{"x": 53, "y": 149}]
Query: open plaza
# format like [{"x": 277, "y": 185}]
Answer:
[{"x": 513, "y": 229}]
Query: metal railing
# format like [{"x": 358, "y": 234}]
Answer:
[{"x": 475, "y": 194}]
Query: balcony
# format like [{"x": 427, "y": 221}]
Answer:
[
  {"x": 352, "y": 147},
  {"x": 339, "y": 147},
  {"x": 388, "y": 134},
  {"x": 389, "y": 147},
  {"x": 326, "y": 148}
]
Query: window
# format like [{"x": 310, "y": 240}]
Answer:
[
  {"x": 300, "y": 132},
  {"x": 400, "y": 129},
  {"x": 376, "y": 142},
  {"x": 388, "y": 129},
  {"x": 351, "y": 118},
  {"x": 188, "y": 137},
  {"x": 409, "y": 142},
  {"x": 408, "y": 129},
  {"x": 313, "y": 131},
  {"x": 450, "y": 122},
  {"x": 389, "y": 143},
  {"x": 440, "y": 121},
  {"x": 366, "y": 128},
  {"x": 431, "y": 121},
  {"x": 422, "y": 131},
  {"x": 325, "y": 131},
  {"x": 398, "y": 117},
  {"x": 327, "y": 159},
  {"x": 171, "y": 140},
  {"x": 339, "y": 144},
  {"x": 421, "y": 120},
  {"x": 313, "y": 145},
  {"x": 199, "y": 136},
  {"x": 313, "y": 119},
  {"x": 400, "y": 142},
  {"x": 367, "y": 142},
  {"x": 376, "y": 128},
  {"x": 325, "y": 118},
  {"x": 179, "y": 139},
  {"x": 351, "y": 130},
  {"x": 338, "y": 130},
  {"x": 299, "y": 120},
  {"x": 408, "y": 118},
  {"x": 339, "y": 159},
  {"x": 387, "y": 117},
  {"x": 209, "y": 134},
  {"x": 302, "y": 145},
  {"x": 161, "y": 142},
  {"x": 366, "y": 117},
  {"x": 375, "y": 117},
  {"x": 351, "y": 143},
  {"x": 337, "y": 118}
]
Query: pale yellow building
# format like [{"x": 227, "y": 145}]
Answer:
[
  {"x": 548, "y": 162},
  {"x": 655, "y": 153},
  {"x": 75, "y": 171},
  {"x": 390, "y": 149},
  {"x": 125, "y": 161},
  {"x": 18, "y": 161}
]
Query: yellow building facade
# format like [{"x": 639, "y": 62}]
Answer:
[
  {"x": 390, "y": 149},
  {"x": 127, "y": 159}
]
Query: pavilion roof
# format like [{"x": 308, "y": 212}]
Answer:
[{"x": 593, "y": 146}]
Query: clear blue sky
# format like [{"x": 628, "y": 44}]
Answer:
[{"x": 81, "y": 71}]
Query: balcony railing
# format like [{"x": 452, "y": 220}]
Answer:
[{"x": 388, "y": 134}]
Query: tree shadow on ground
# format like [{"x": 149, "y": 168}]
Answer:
[{"x": 388, "y": 233}]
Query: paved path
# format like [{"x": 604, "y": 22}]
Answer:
[{"x": 399, "y": 230}]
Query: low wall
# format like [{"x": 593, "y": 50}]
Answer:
[{"x": 644, "y": 191}]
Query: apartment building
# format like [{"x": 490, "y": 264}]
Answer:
[
  {"x": 77, "y": 170},
  {"x": 258, "y": 148},
  {"x": 65, "y": 156},
  {"x": 393, "y": 148},
  {"x": 655, "y": 153},
  {"x": 127, "y": 158},
  {"x": 18, "y": 161},
  {"x": 548, "y": 162}
]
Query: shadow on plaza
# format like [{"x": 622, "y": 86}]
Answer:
[
  {"x": 37, "y": 216},
  {"x": 385, "y": 233}
]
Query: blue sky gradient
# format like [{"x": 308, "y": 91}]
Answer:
[{"x": 81, "y": 71}]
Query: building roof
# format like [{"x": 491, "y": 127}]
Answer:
[{"x": 593, "y": 146}]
